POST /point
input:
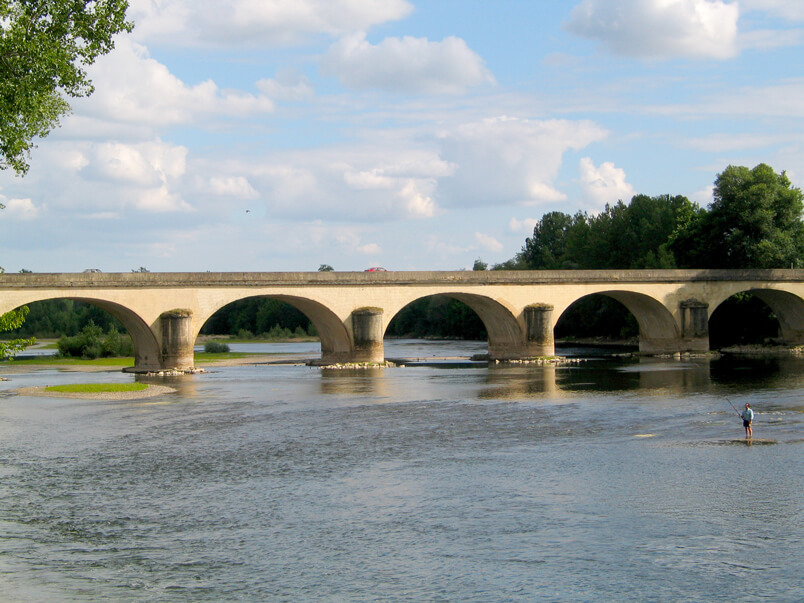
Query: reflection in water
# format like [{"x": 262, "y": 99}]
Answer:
[{"x": 362, "y": 382}]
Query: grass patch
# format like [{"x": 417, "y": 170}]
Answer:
[
  {"x": 213, "y": 357},
  {"x": 97, "y": 388}
]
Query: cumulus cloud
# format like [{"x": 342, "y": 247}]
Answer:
[
  {"x": 287, "y": 86},
  {"x": 604, "y": 184},
  {"x": 508, "y": 160},
  {"x": 523, "y": 226},
  {"x": 232, "y": 186},
  {"x": 264, "y": 23},
  {"x": 132, "y": 87},
  {"x": 145, "y": 164},
  {"x": 488, "y": 242},
  {"x": 406, "y": 65},
  {"x": 359, "y": 182},
  {"x": 370, "y": 249},
  {"x": 19, "y": 209},
  {"x": 659, "y": 28},
  {"x": 99, "y": 179}
]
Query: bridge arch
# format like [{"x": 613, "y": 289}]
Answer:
[
  {"x": 506, "y": 336},
  {"x": 336, "y": 343},
  {"x": 659, "y": 333},
  {"x": 788, "y": 308},
  {"x": 147, "y": 353}
]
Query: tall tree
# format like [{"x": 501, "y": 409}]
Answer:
[
  {"x": 754, "y": 222},
  {"x": 45, "y": 46}
]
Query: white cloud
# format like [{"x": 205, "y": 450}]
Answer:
[
  {"x": 145, "y": 164},
  {"x": 508, "y": 160},
  {"x": 19, "y": 209},
  {"x": 287, "y": 86},
  {"x": 160, "y": 200},
  {"x": 659, "y": 28},
  {"x": 417, "y": 203},
  {"x": 370, "y": 249},
  {"x": 704, "y": 196},
  {"x": 488, "y": 242},
  {"x": 131, "y": 87},
  {"x": 232, "y": 186},
  {"x": 412, "y": 65},
  {"x": 523, "y": 226},
  {"x": 604, "y": 184},
  {"x": 263, "y": 23}
]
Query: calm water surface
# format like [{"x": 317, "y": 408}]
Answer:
[{"x": 608, "y": 480}]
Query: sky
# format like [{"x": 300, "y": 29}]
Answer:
[{"x": 279, "y": 135}]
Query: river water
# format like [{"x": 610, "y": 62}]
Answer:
[{"x": 612, "y": 480}]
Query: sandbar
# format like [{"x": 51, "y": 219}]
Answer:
[{"x": 153, "y": 390}]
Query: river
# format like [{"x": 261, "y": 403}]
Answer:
[{"x": 612, "y": 479}]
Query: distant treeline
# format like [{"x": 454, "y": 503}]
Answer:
[
  {"x": 53, "y": 318},
  {"x": 259, "y": 317}
]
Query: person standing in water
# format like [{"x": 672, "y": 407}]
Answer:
[{"x": 748, "y": 416}]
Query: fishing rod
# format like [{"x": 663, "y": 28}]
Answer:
[{"x": 734, "y": 407}]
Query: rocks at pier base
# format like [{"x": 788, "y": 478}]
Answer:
[
  {"x": 543, "y": 361},
  {"x": 174, "y": 372},
  {"x": 339, "y": 366},
  {"x": 712, "y": 355}
]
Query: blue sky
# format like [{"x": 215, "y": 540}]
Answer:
[{"x": 279, "y": 135}]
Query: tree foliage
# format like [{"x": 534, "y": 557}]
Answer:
[
  {"x": 257, "y": 316},
  {"x": 9, "y": 321},
  {"x": 45, "y": 46},
  {"x": 754, "y": 222},
  {"x": 437, "y": 316},
  {"x": 623, "y": 236}
]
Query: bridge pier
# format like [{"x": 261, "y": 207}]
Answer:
[
  {"x": 539, "y": 330},
  {"x": 367, "y": 335},
  {"x": 694, "y": 326},
  {"x": 177, "y": 340}
]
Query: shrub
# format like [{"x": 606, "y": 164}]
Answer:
[
  {"x": 216, "y": 347},
  {"x": 92, "y": 343}
]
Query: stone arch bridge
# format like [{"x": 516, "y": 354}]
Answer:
[{"x": 164, "y": 312}]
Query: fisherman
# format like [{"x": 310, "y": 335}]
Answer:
[{"x": 748, "y": 416}]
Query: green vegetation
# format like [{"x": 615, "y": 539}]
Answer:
[
  {"x": 260, "y": 318},
  {"x": 45, "y": 46},
  {"x": 216, "y": 347},
  {"x": 97, "y": 388},
  {"x": 92, "y": 343},
  {"x": 203, "y": 357},
  {"x": 8, "y": 322},
  {"x": 437, "y": 317},
  {"x": 50, "y": 319}
]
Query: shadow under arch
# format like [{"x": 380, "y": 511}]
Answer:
[
  {"x": 336, "y": 344},
  {"x": 506, "y": 338},
  {"x": 147, "y": 351},
  {"x": 788, "y": 308},
  {"x": 658, "y": 331}
]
